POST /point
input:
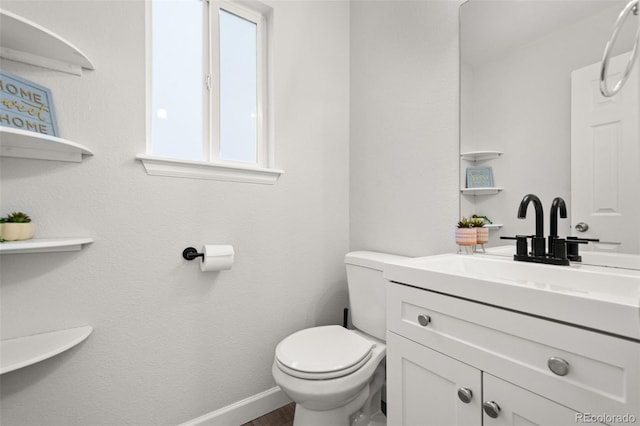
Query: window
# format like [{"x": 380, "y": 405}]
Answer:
[
  {"x": 238, "y": 88},
  {"x": 208, "y": 114}
]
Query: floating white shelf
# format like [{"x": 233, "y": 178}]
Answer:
[
  {"x": 19, "y": 143},
  {"x": 43, "y": 245},
  {"x": 24, "y": 351},
  {"x": 493, "y": 225},
  {"x": 480, "y": 191},
  {"x": 24, "y": 41},
  {"x": 480, "y": 155}
]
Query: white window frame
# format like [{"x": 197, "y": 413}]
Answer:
[{"x": 213, "y": 167}]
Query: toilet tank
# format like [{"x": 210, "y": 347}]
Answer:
[{"x": 367, "y": 291}]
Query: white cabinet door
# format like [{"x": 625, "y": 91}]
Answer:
[
  {"x": 520, "y": 407},
  {"x": 422, "y": 387}
]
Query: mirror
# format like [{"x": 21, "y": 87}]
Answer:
[{"x": 529, "y": 84}]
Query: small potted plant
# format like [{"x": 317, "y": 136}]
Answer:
[
  {"x": 466, "y": 235},
  {"x": 17, "y": 227},
  {"x": 482, "y": 233}
]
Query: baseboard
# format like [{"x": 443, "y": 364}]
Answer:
[{"x": 243, "y": 411}]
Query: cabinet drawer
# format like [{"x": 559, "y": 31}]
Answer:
[{"x": 603, "y": 371}]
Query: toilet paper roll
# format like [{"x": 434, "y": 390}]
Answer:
[{"x": 217, "y": 258}]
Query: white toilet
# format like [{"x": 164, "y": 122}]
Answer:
[{"x": 335, "y": 375}]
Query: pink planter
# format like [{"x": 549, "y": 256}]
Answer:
[
  {"x": 483, "y": 235},
  {"x": 466, "y": 236}
]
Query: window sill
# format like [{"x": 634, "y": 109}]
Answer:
[{"x": 161, "y": 166}]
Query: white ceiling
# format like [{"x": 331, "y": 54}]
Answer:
[{"x": 489, "y": 27}]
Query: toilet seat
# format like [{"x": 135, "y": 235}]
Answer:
[
  {"x": 325, "y": 352},
  {"x": 322, "y": 376}
]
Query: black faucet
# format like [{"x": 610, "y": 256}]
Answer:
[
  {"x": 561, "y": 250},
  {"x": 537, "y": 242},
  {"x": 557, "y": 246}
]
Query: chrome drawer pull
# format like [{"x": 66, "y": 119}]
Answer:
[
  {"x": 491, "y": 408},
  {"x": 465, "y": 395},
  {"x": 424, "y": 320},
  {"x": 559, "y": 366}
]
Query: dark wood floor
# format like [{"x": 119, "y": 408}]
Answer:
[{"x": 283, "y": 416}]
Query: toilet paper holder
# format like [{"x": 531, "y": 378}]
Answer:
[
  {"x": 191, "y": 253},
  {"x": 213, "y": 257}
]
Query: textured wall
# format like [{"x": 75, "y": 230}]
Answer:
[
  {"x": 404, "y": 126},
  {"x": 171, "y": 343}
]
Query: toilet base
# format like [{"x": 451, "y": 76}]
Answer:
[{"x": 363, "y": 410}]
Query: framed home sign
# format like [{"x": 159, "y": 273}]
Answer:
[
  {"x": 26, "y": 105},
  {"x": 479, "y": 177}
]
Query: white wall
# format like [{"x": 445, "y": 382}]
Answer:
[
  {"x": 171, "y": 343},
  {"x": 404, "y": 126}
]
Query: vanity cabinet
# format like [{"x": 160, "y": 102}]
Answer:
[
  {"x": 429, "y": 388},
  {"x": 422, "y": 386},
  {"x": 519, "y": 406},
  {"x": 439, "y": 345}
]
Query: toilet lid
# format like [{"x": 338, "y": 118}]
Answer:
[{"x": 323, "y": 349}]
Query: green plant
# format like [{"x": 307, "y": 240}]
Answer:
[
  {"x": 477, "y": 222},
  {"x": 486, "y": 219},
  {"x": 3, "y": 220},
  {"x": 464, "y": 223},
  {"x": 17, "y": 217}
]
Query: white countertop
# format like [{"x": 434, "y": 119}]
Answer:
[{"x": 599, "y": 298}]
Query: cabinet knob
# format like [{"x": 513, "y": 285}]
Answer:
[
  {"x": 465, "y": 395},
  {"x": 424, "y": 320},
  {"x": 491, "y": 409},
  {"x": 558, "y": 365}
]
